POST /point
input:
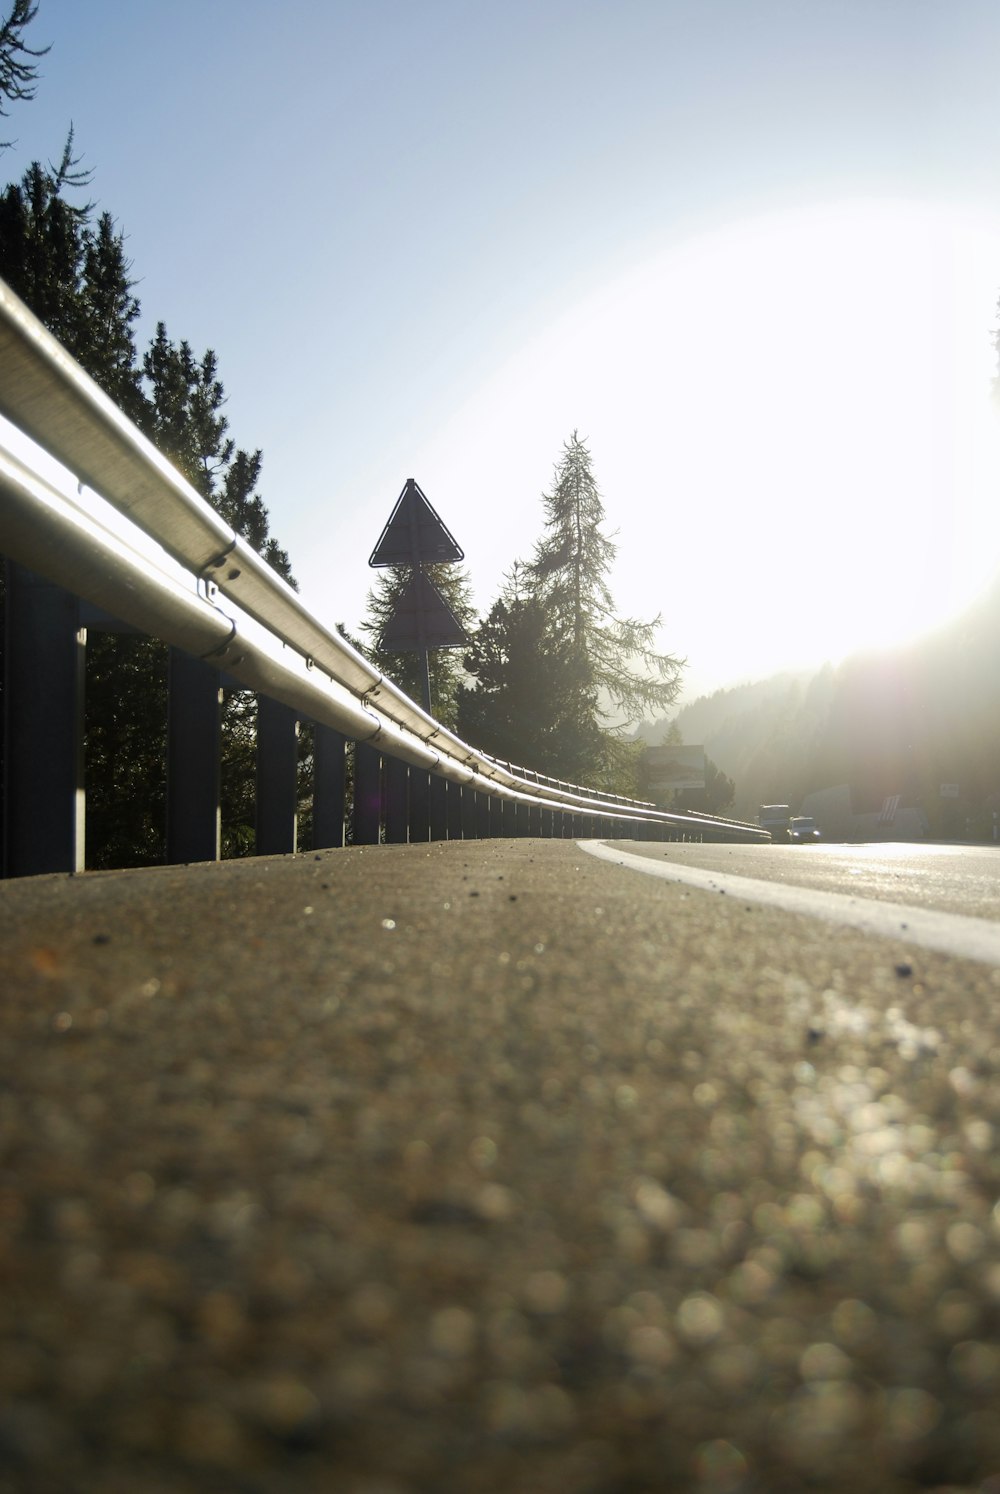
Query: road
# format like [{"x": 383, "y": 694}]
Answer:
[
  {"x": 495, "y": 1167},
  {"x": 941, "y": 897},
  {"x": 951, "y": 878}
]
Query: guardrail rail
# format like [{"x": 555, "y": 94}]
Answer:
[{"x": 97, "y": 525}]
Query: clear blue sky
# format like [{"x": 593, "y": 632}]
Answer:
[{"x": 750, "y": 248}]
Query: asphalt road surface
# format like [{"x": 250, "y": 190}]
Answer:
[
  {"x": 951, "y": 878},
  {"x": 497, "y": 1167}
]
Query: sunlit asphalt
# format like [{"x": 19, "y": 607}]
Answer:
[
  {"x": 951, "y": 878},
  {"x": 493, "y": 1168}
]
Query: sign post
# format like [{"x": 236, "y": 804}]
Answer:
[{"x": 415, "y": 536}]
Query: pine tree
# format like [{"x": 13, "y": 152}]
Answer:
[
  {"x": 74, "y": 274},
  {"x": 404, "y": 667},
  {"x": 43, "y": 241},
  {"x": 187, "y": 423},
  {"x": 126, "y": 733},
  {"x": 529, "y": 705},
  {"x": 573, "y": 557},
  {"x": 107, "y": 314},
  {"x": 18, "y": 74},
  {"x": 75, "y": 277},
  {"x": 186, "y": 420},
  {"x": 616, "y": 656},
  {"x": 243, "y": 509},
  {"x": 559, "y": 675}
]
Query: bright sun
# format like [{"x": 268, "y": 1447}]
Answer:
[{"x": 791, "y": 421}]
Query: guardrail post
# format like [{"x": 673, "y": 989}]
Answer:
[
  {"x": 277, "y": 768},
  {"x": 439, "y": 807},
  {"x": 194, "y": 731},
  {"x": 534, "y": 820},
  {"x": 470, "y": 812},
  {"x": 483, "y": 803},
  {"x": 508, "y": 818},
  {"x": 396, "y": 773},
  {"x": 545, "y": 822},
  {"x": 454, "y": 810},
  {"x": 420, "y": 805},
  {"x": 45, "y": 653},
  {"x": 367, "y": 816},
  {"x": 496, "y": 817},
  {"x": 328, "y": 787}
]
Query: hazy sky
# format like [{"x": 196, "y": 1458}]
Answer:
[{"x": 749, "y": 248}]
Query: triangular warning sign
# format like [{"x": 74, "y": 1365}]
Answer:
[
  {"x": 414, "y": 534},
  {"x": 422, "y": 619}
]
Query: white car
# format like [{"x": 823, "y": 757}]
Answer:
[{"x": 802, "y": 828}]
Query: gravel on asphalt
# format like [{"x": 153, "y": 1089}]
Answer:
[{"x": 487, "y": 1167}]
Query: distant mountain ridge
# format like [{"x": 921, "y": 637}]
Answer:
[{"x": 903, "y": 722}]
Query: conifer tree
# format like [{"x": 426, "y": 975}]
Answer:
[
  {"x": 18, "y": 76},
  {"x": 242, "y": 507},
  {"x": 186, "y": 420},
  {"x": 559, "y": 675},
  {"x": 403, "y": 667},
  {"x": 74, "y": 274},
  {"x": 569, "y": 571},
  {"x": 43, "y": 244},
  {"x": 107, "y": 315},
  {"x": 529, "y": 705},
  {"x": 18, "y": 73}
]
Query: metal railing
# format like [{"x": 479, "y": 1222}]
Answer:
[{"x": 122, "y": 529}]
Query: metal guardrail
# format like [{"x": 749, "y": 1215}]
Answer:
[
  {"x": 682, "y": 818},
  {"x": 202, "y": 588}
]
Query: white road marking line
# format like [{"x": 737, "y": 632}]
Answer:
[{"x": 948, "y": 933}]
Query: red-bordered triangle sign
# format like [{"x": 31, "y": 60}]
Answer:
[
  {"x": 422, "y": 619},
  {"x": 414, "y": 534}
]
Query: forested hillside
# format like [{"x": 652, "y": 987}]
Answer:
[{"x": 902, "y": 721}]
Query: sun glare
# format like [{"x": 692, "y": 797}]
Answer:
[{"x": 792, "y": 424}]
